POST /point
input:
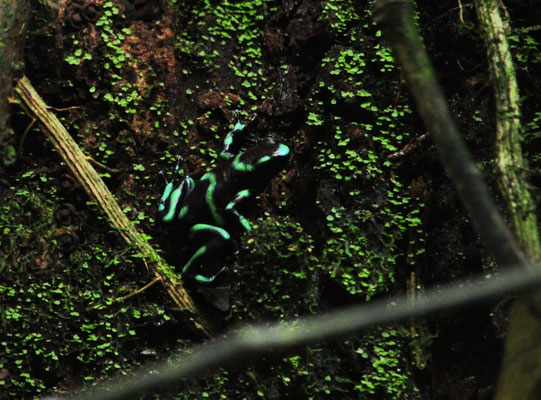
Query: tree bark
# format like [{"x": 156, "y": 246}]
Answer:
[
  {"x": 13, "y": 23},
  {"x": 520, "y": 375},
  {"x": 512, "y": 182}
]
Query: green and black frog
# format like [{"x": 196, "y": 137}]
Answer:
[{"x": 206, "y": 215}]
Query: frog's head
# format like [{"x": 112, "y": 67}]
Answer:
[
  {"x": 173, "y": 197},
  {"x": 259, "y": 164}
]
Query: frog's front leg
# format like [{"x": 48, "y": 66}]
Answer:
[
  {"x": 207, "y": 253},
  {"x": 228, "y": 140},
  {"x": 239, "y": 218}
]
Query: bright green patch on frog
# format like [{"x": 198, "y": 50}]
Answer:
[{"x": 210, "y": 206}]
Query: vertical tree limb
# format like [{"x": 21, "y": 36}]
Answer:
[
  {"x": 13, "y": 22},
  {"x": 512, "y": 182},
  {"x": 521, "y": 368},
  {"x": 522, "y": 362},
  {"x": 398, "y": 26}
]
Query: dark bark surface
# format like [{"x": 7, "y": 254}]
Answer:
[{"x": 13, "y": 25}]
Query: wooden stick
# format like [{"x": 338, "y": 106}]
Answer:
[{"x": 96, "y": 189}]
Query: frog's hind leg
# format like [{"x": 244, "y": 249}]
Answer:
[
  {"x": 206, "y": 253},
  {"x": 239, "y": 218}
]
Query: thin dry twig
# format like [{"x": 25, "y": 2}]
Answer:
[
  {"x": 460, "y": 12},
  {"x": 141, "y": 290},
  {"x": 25, "y": 134}
]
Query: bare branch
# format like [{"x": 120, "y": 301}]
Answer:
[{"x": 96, "y": 189}]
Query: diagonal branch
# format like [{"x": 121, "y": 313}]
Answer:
[{"x": 96, "y": 189}]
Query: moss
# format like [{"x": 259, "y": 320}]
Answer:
[
  {"x": 277, "y": 259},
  {"x": 342, "y": 15},
  {"x": 387, "y": 374},
  {"x": 337, "y": 112},
  {"x": 226, "y": 28},
  {"x": 73, "y": 295},
  {"x": 358, "y": 185}
]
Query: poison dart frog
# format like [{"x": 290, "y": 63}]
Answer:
[{"x": 207, "y": 213}]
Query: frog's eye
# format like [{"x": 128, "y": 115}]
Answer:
[{"x": 281, "y": 151}]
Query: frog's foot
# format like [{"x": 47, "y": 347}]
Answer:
[{"x": 205, "y": 280}]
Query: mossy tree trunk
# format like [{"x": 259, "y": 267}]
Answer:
[
  {"x": 521, "y": 368},
  {"x": 510, "y": 161}
]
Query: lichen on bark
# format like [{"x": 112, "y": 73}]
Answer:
[
  {"x": 520, "y": 371},
  {"x": 509, "y": 158}
]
